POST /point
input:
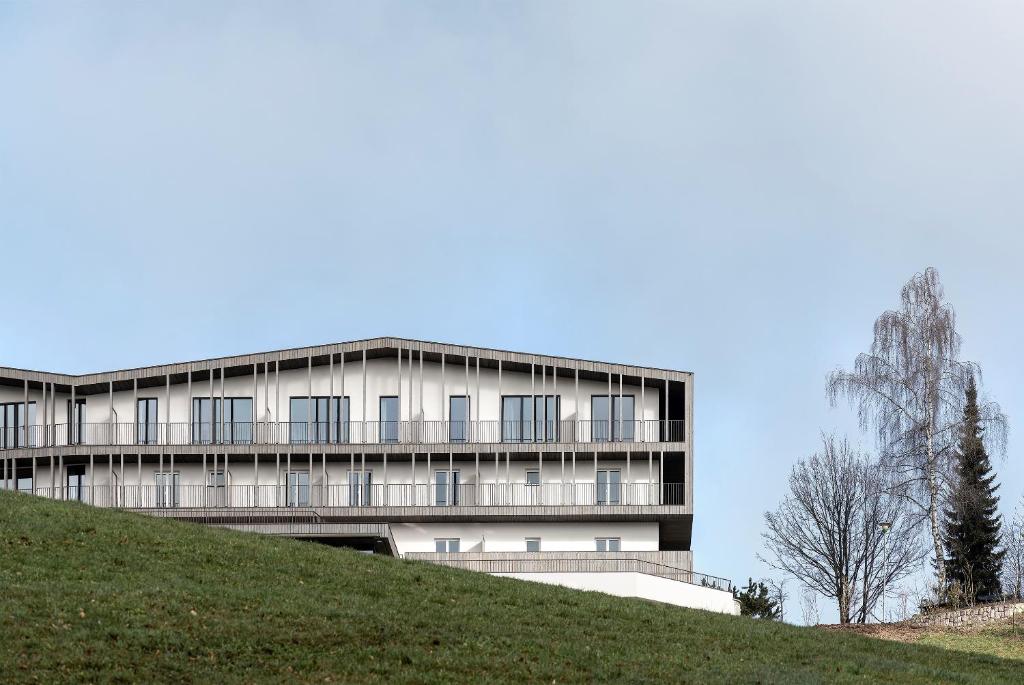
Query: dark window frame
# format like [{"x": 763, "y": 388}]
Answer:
[
  {"x": 388, "y": 428},
  {"x": 338, "y": 427},
  {"x": 527, "y": 430},
  {"x": 599, "y": 427},
  {"x": 231, "y": 427},
  {"x": 462, "y": 423},
  {"x": 147, "y": 432}
]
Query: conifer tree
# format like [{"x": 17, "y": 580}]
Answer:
[{"x": 974, "y": 560}]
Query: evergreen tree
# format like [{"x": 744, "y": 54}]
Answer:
[
  {"x": 755, "y": 601},
  {"x": 972, "y": 524}
]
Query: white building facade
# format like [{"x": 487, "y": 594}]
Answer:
[{"x": 547, "y": 468}]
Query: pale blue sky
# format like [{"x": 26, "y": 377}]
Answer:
[{"x": 736, "y": 189}]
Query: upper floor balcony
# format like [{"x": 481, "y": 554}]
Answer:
[{"x": 415, "y": 432}]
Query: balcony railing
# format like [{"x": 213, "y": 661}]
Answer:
[
  {"x": 391, "y": 495},
  {"x": 343, "y": 432},
  {"x": 597, "y": 564}
]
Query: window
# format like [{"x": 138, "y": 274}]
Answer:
[
  {"x": 446, "y": 488},
  {"x": 76, "y": 482},
  {"x": 24, "y": 484},
  {"x": 76, "y": 423},
  {"x": 146, "y": 421},
  {"x": 446, "y": 545},
  {"x": 529, "y": 418},
  {"x": 533, "y": 477},
  {"x": 389, "y": 419},
  {"x": 608, "y": 487},
  {"x": 168, "y": 485},
  {"x": 216, "y": 489},
  {"x": 298, "y": 488},
  {"x": 532, "y": 544},
  {"x": 359, "y": 494},
  {"x": 621, "y": 418},
  {"x": 609, "y": 544},
  {"x": 236, "y": 420},
  {"x": 12, "y": 424},
  {"x": 458, "y": 418},
  {"x": 328, "y": 422}
]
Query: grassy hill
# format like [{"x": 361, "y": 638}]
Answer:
[{"x": 88, "y": 595}]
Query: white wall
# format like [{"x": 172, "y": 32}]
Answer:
[
  {"x": 381, "y": 380},
  {"x": 640, "y": 585},
  {"x": 574, "y": 536}
]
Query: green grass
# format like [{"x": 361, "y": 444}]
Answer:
[
  {"x": 1004, "y": 640},
  {"x": 88, "y": 595}
]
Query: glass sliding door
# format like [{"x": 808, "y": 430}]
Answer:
[
  {"x": 146, "y": 421},
  {"x": 75, "y": 484},
  {"x": 529, "y": 418},
  {"x": 216, "y": 489},
  {"x": 446, "y": 488},
  {"x": 233, "y": 418},
  {"x": 238, "y": 420},
  {"x": 608, "y": 487},
  {"x": 76, "y": 423},
  {"x": 168, "y": 486},
  {"x": 360, "y": 487},
  {"x": 298, "y": 489},
  {"x": 318, "y": 420},
  {"x": 15, "y": 431},
  {"x": 458, "y": 418},
  {"x": 619, "y": 425},
  {"x": 389, "y": 419}
]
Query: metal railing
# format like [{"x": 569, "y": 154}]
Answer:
[
  {"x": 545, "y": 564},
  {"x": 342, "y": 432},
  {"x": 187, "y": 496}
]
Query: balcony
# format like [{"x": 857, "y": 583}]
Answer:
[
  {"x": 344, "y": 432},
  {"x": 440, "y": 497},
  {"x": 570, "y": 562}
]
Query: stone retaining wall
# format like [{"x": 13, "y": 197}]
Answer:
[{"x": 971, "y": 616}]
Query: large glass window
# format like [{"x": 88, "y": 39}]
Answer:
[
  {"x": 207, "y": 420},
  {"x": 608, "y": 487},
  {"x": 298, "y": 488},
  {"x": 12, "y": 425},
  {"x": 318, "y": 420},
  {"x": 446, "y": 488},
  {"x": 529, "y": 418},
  {"x": 621, "y": 418},
  {"x": 360, "y": 485},
  {"x": 389, "y": 419},
  {"x": 458, "y": 418},
  {"x": 146, "y": 421},
  {"x": 168, "y": 486}
]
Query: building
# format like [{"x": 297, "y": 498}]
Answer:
[{"x": 548, "y": 468}]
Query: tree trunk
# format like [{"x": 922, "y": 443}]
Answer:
[{"x": 933, "y": 513}]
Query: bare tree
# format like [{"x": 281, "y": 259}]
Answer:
[
  {"x": 827, "y": 531},
  {"x": 910, "y": 388},
  {"x": 777, "y": 591},
  {"x": 809, "y": 608},
  {"x": 1013, "y": 562}
]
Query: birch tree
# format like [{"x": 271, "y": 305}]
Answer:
[{"x": 910, "y": 389}]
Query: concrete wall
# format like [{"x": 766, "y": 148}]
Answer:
[{"x": 640, "y": 585}]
